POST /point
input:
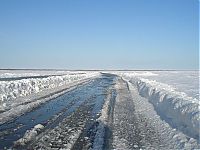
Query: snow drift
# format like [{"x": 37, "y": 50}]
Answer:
[
  {"x": 176, "y": 108},
  {"x": 11, "y": 90}
]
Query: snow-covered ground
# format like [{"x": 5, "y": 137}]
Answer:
[
  {"x": 174, "y": 95},
  {"x": 18, "y": 96},
  {"x": 32, "y": 73},
  {"x": 182, "y": 81},
  {"x": 10, "y": 90},
  {"x": 142, "y": 109}
]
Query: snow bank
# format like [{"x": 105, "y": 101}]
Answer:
[
  {"x": 103, "y": 123},
  {"x": 184, "y": 81},
  {"x": 151, "y": 121},
  {"x": 11, "y": 90},
  {"x": 176, "y": 108}
]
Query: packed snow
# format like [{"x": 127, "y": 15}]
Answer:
[
  {"x": 20, "y": 96},
  {"x": 183, "y": 81},
  {"x": 11, "y": 90},
  {"x": 174, "y": 106},
  {"x": 170, "y": 138}
]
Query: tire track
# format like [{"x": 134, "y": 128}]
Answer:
[{"x": 71, "y": 128}]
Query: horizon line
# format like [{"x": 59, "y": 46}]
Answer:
[{"x": 52, "y": 69}]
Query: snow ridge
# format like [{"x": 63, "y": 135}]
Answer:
[
  {"x": 176, "y": 108},
  {"x": 11, "y": 90},
  {"x": 103, "y": 122}
]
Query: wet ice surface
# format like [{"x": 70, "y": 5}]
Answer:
[
  {"x": 77, "y": 130},
  {"x": 52, "y": 113}
]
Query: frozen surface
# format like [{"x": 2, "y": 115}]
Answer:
[
  {"x": 176, "y": 108},
  {"x": 11, "y": 91},
  {"x": 165, "y": 136},
  {"x": 27, "y": 73},
  {"x": 183, "y": 81},
  {"x": 173, "y": 95},
  {"x": 20, "y": 96},
  {"x": 137, "y": 109}
]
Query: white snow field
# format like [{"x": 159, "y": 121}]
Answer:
[
  {"x": 52, "y": 109},
  {"x": 183, "y": 81},
  {"x": 28, "y": 73}
]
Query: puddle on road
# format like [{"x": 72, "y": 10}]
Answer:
[{"x": 67, "y": 103}]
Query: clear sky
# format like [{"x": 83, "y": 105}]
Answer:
[{"x": 99, "y": 34}]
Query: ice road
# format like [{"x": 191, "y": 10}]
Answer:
[{"x": 105, "y": 111}]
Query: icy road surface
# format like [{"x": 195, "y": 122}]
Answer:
[{"x": 107, "y": 112}]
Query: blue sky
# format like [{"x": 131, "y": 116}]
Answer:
[{"x": 99, "y": 34}]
